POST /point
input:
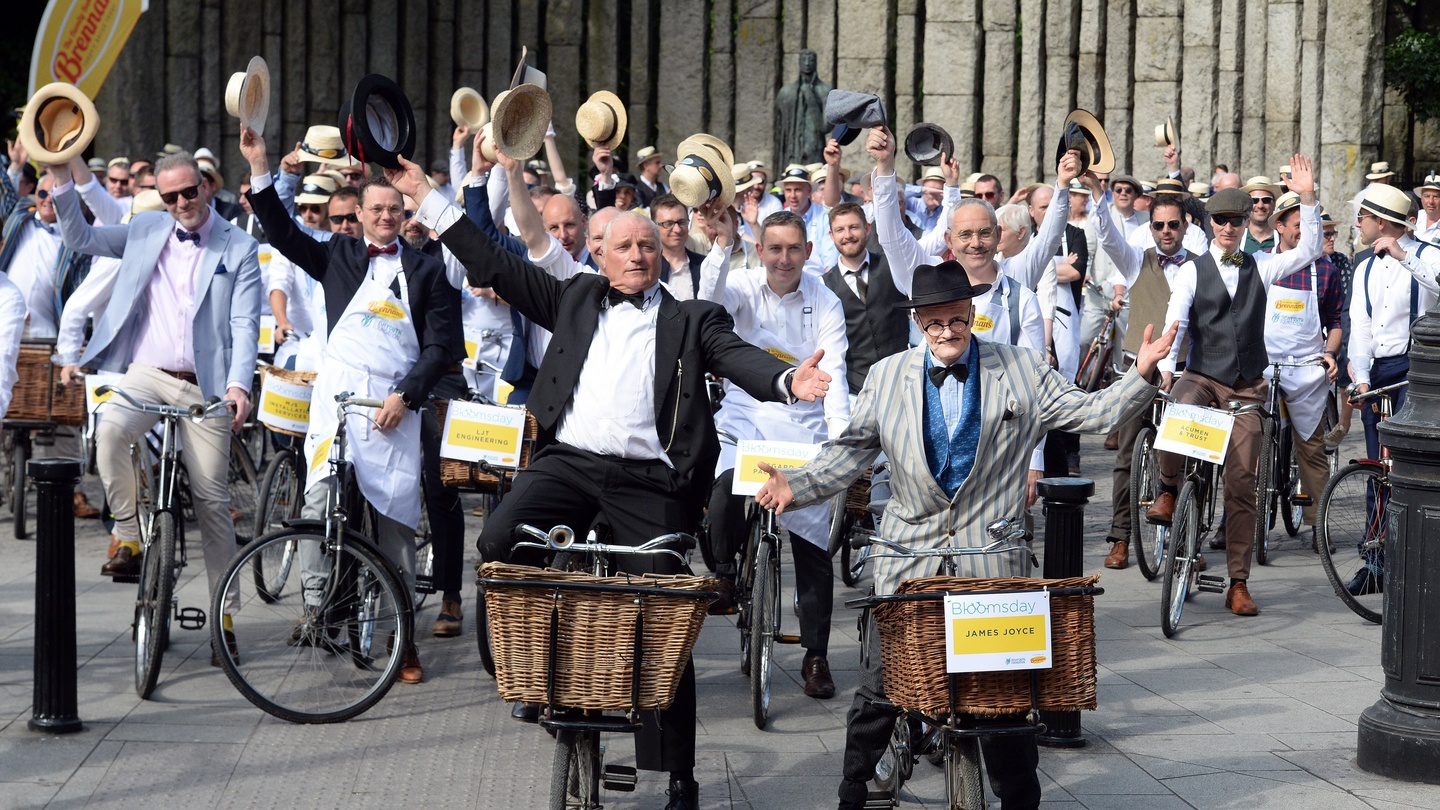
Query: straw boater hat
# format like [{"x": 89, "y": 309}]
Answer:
[
  {"x": 1289, "y": 201},
  {"x": 519, "y": 121},
  {"x": 468, "y": 109},
  {"x": 1284, "y": 173},
  {"x": 795, "y": 173},
  {"x": 759, "y": 166},
  {"x": 59, "y": 122},
  {"x": 323, "y": 144},
  {"x": 699, "y": 176},
  {"x": 1432, "y": 183},
  {"x": 645, "y": 154},
  {"x": 378, "y": 123},
  {"x": 601, "y": 120},
  {"x": 1386, "y": 202},
  {"x": 144, "y": 202},
  {"x": 487, "y": 146},
  {"x": 1200, "y": 189},
  {"x": 1166, "y": 134},
  {"x": 1083, "y": 133},
  {"x": 823, "y": 172},
  {"x": 1379, "y": 171},
  {"x": 1261, "y": 183},
  {"x": 97, "y": 164},
  {"x": 1167, "y": 185},
  {"x": 745, "y": 179},
  {"x": 247, "y": 95},
  {"x": 207, "y": 166},
  {"x": 315, "y": 189}
]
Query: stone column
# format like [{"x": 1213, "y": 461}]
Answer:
[
  {"x": 1229, "y": 87},
  {"x": 1312, "y": 74},
  {"x": 1032, "y": 144},
  {"x": 757, "y": 66},
  {"x": 182, "y": 65},
  {"x": 952, "y": 84},
  {"x": 133, "y": 101},
  {"x": 682, "y": 73},
  {"x": 1282, "y": 84},
  {"x": 999, "y": 105},
  {"x": 909, "y": 48},
  {"x": 1062, "y": 35},
  {"x": 1199, "y": 69},
  {"x": 642, "y": 70},
  {"x": 723, "y": 75},
  {"x": 1158, "y": 54},
  {"x": 564, "y": 28},
  {"x": 1119, "y": 77},
  {"x": 1253, "y": 103},
  {"x": 1354, "y": 90},
  {"x": 1090, "y": 44},
  {"x": 822, "y": 24},
  {"x": 500, "y": 50}
]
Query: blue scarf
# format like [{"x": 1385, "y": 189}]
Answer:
[{"x": 951, "y": 458}]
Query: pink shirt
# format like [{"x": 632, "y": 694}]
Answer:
[{"x": 166, "y": 339}]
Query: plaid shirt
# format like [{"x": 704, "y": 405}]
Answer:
[{"x": 1331, "y": 293}]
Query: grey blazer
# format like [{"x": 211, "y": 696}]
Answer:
[
  {"x": 1021, "y": 398},
  {"x": 227, "y": 293}
]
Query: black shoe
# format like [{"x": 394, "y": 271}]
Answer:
[
  {"x": 1217, "y": 542},
  {"x": 1366, "y": 582},
  {"x": 684, "y": 795},
  {"x": 725, "y": 604},
  {"x": 526, "y": 712}
]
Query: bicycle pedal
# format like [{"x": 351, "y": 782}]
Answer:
[
  {"x": 787, "y": 639},
  {"x": 879, "y": 800},
  {"x": 191, "y": 618},
  {"x": 619, "y": 777},
  {"x": 1299, "y": 499},
  {"x": 424, "y": 584},
  {"x": 1210, "y": 583},
  {"x": 126, "y": 579}
]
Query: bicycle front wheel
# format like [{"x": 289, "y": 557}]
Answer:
[
  {"x": 329, "y": 656},
  {"x": 1180, "y": 556},
  {"x": 1148, "y": 538},
  {"x": 764, "y": 619},
  {"x": 152, "y": 606},
  {"x": 281, "y": 496},
  {"x": 575, "y": 774},
  {"x": 962, "y": 774},
  {"x": 1352, "y": 537}
]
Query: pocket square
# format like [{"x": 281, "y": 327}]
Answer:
[{"x": 220, "y": 270}]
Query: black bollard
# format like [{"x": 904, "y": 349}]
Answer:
[
  {"x": 1064, "y": 500},
  {"x": 1399, "y": 736},
  {"x": 54, "y": 703}
]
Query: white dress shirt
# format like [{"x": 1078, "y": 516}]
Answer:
[
  {"x": 823, "y": 253},
  {"x": 1425, "y": 230},
  {"x": 853, "y": 275},
  {"x": 304, "y": 296},
  {"x": 87, "y": 301},
  {"x": 33, "y": 268},
  {"x": 107, "y": 209},
  {"x": 12, "y": 323},
  {"x": 1380, "y": 314},
  {"x": 1125, "y": 257},
  {"x": 166, "y": 337},
  {"x": 1271, "y": 266}
]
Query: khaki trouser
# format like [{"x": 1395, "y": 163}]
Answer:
[
  {"x": 204, "y": 447},
  {"x": 1120, "y": 478},
  {"x": 1241, "y": 461},
  {"x": 1314, "y": 472}
]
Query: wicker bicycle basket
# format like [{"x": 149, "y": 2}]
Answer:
[
  {"x": 292, "y": 377},
  {"x": 596, "y": 640},
  {"x": 912, "y": 647},
  {"x": 857, "y": 498},
  {"x": 471, "y": 476},
  {"x": 37, "y": 396}
]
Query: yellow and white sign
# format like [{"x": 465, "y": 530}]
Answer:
[
  {"x": 475, "y": 432},
  {"x": 267, "y": 334},
  {"x": 986, "y": 632},
  {"x": 780, "y": 455},
  {"x": 79, "y": 40},
  {"x": 285, "y": 404},
  {"x": 94, "y": 380},
  {"x": 265, "y": 254},
  {"x": 1195, "y": 431}
]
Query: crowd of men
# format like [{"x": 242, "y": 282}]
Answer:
[{"x": 823, "y": 302}]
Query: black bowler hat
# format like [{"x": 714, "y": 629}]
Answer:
[
  {"x": 1083, "y": 133},
  {"x": 378, "y": 123},
  {"x": 941, "y": 283},
  {"x": 927, "y": 142}
]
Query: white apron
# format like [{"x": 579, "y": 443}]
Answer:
[
  {"x": 991, "y": 321},
  {"x": 372, "y": 347},
  {"x": 1292, "y": 332},
  {"x": 744, "y": 417}
]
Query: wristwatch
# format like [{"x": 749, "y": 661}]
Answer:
[{"x": 405, "y": 399}]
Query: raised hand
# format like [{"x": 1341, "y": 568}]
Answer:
[
  {"x": 479, "y": 163},
  {"x": 950, "y": 167},
  {"x": 252, "y": 146},
  {"x": 1302, "y": 178},
  {"x": 880, "y": 143},
  {"x": 409, "y": 180},
  {"x": 832, "y": 152},
  {"x": 457, "y": 139},
  {"x": 290, "y": 164},
  {"x": 1151, "y": 353},
  {"x": 16, "y": 152},
  {"x": 1069, "y": 167}
]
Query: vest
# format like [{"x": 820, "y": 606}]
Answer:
[
  {"x": 951, "y": 458},
  {"x": 876, "y": 328},
  {"x": 1227, "y": 336},
  {"x": 1149, "y": 299}
]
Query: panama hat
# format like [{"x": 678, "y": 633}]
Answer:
[
  {"x": 647, "y": 153},
  {"x": 1166, "y": 134},
  {"x": 468, "y": 109},
  {"x": 378, "y": 123},
  {"x": 601, "y": 120},
  {"x": 169, "y": 149},
  {"x": 59, "y": 122},
  {"x": 943, "y": 283},
  {"x": 1083, "y": 133},
  {"x": 1379, "y": 171},
  {"x": 524, "y": 74},
  {"x": 1284, "y": 173},
  {"x": 795, "y": 173},
  {"x": 1200, "y": 189},
  {"x": 744, "y": 178},
  {"x": 97, "y": 164},
  {"x": 144, "y": 202},
  {"x": 1386, "y": 202},
  {"x": 1432, "y": 183},
  {"x": 699, "y": 175},
  {"x": 208, "y": 167},
  {"x": 487, "y": 146},
  {"x": 323, "y": 144},
  {"x": 1289, "y": 201},
  {"x": 759, "y": 166},
  {"x": 1261, "y": 183},
  {"x": 315, "y": 189},
  {"x": 247, "y": 95},
  {"x": 519, "y": 121},
  {"x": 927, "y": 142},
  {"x": 824, "y": 172}
]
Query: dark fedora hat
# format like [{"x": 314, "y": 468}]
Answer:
[
  {"x": 378, "y": 123},
  {"x": 927, "y": 142},
  {"x": 1083, "y": 133},
  {"x": 941, "y": 283}
]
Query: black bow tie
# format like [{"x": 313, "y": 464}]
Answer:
[
  {"x": 939, "y": 373},
  {"x": 615, "y": 298},
  {"x": 187, "y": 236}
]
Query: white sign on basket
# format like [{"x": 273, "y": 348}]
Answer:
[
  {"x": 989, "y": 632},
  {"x": 1196, "y": 432},
  {"x": 94, "y": 380},
  {"x": 489, "y": 433},
  {"x": 782, "y": 456},
  {"x": 267, "y": 334},
  {"x": 285, "y": 405}
]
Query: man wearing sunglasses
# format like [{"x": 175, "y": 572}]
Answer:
[
  {"x": 1219, "y": 301},
  {"x": 1260, "y": 231},
  {"x": 181, "y": 323}
]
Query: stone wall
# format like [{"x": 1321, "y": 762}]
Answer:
[{"x": 1248, "y": 81}]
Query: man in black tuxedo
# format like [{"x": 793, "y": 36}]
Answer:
[{"x": 626, "y": 431}]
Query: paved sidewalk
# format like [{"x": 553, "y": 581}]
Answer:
[{"x": 1246, "y": 713}]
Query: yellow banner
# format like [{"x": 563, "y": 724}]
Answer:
[
  {"x": 479, "y": 436},
  {"x": 79, "y": 40},
  {"x": 322, "y": 454},
  {"x": 282, "y": 407},
  {"x": 1195, "y": 431},
  {"x": 1009, "y": 634},
  {"x": 780, "y": 455}
]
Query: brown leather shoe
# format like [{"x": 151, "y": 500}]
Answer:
[
  {"x": 114, "y": 546},
  {"x": 125, "y": 563},
  {"x": 83, "y": 509},
  {"x": 1239, "y": 601},
  {"x": 1200, "y": 564},
  {"x": 447, "y": 624},
  {"x": 1163, "y": 510},
  {"x": 410, "y": 669},
  {"x": 725, "y": 605},
  {"x": 1119, "y": 556},
  {"x": 1112, "y": 442},
  {"x": 818, "y": 683}
]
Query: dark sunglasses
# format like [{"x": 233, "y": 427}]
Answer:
[
  {"x": 1235, "y": 220},
  {"x": 1173, "y": 224},
  {"x": 42, "y": 194},
  {"x": 351, "y": 218},
  {"x": 409, "y": 213},
  {"x": 304, "y": 207},
  {"x": 119, "y": 181},
  {"x": 189, "y": 193},
  {"x": 1263, "y": 200}
]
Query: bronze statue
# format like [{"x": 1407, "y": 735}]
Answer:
[{"x": 800, "y": 129}]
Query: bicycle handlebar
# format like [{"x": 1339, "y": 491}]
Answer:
[
  {"x": 562, "y": 538},
  {"x": 1006, "y": 534},
  {"x": 1373, "y": 392},
  {"x": 360, "y": 402},
  {"x": 198, "y": 412}
]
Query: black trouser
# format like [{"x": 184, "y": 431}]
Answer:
[
  {"x": 814, "y": 572},
  {"x": 639, "y": 500},
  {"x": 447, "y": 519},
  {"x": 1059, "y": 447},
  {"x": 1010, "y": 760}
]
